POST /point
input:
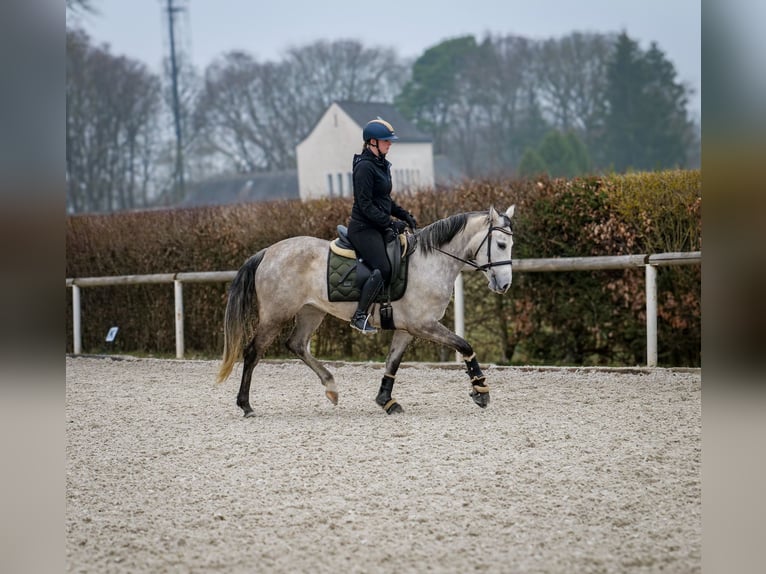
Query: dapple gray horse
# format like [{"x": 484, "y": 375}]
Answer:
[{"x": 479, "y": 240}]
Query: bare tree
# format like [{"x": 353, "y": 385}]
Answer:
[
  {"x": 253, "y": 114},
  {"x": 112, "y": 110},
  {"x": 506, "y": 83},
  {"x": 572, "y": 74},
  {"x": 345, "y": 70}
]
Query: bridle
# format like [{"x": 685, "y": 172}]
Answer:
[{"x": 488, "y": 240}]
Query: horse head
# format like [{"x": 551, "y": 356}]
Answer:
[{"x": 493, "y": 256}]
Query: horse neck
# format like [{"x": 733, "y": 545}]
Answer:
[
  {"x": 467, "y": 241},
  {"x": 462, "y": 245}
]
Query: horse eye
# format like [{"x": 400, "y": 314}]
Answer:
[{"x": 502, "y": 246}]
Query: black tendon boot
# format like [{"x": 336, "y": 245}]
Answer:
[
  {"x": 479, "y": 389},
  {"x": 384, "y": 398},
  {"x": 370, "y": 290}
]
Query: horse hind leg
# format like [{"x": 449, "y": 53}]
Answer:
[
  {"x": 307, "y": 321},
  {"x": 252, "y": 354},
  {"x": 251, "y": 359}
]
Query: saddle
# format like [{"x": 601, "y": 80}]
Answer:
[{"x": 346, "y": 273}]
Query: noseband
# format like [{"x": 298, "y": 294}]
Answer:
[{"x": 488, "y": 239}]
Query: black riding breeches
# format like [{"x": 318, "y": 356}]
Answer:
[{"x": 370, "y": 247}]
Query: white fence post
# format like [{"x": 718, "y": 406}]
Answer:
[
  {"x": 179, "y": 298},
  {"x": 651, "y": 316},
  {"x": 76, "y": 320},
  {"x": 459, "y": 312}
]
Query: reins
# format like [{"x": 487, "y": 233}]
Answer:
[{"x": 488, "y": 238}]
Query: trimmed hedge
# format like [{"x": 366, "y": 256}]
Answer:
[{"x": 578, "y": 318}]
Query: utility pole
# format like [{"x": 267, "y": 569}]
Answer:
[{"x": 179, "y": 190}]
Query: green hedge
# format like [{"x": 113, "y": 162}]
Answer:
[{"x": 578, "y": 318}]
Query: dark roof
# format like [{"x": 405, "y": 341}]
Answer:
[
  {"x": 243, "y": 188},
  {"x": 363, "y": 112}
]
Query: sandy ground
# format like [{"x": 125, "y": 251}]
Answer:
[{"x": 565, "y": 471}]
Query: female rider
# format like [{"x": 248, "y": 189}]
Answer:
[{"x": 371, "y": 226}]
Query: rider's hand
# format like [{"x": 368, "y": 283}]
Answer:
[
  {"x": 411, "y": 221},
  {"x": 398, "y": 226}
]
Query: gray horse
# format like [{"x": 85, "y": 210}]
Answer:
[{"x": 478, "y": 240}]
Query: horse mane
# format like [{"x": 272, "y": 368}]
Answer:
[{"x": 443, "y": 230}]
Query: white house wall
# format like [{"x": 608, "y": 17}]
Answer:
[
  {"x": 412, "y": 165},
  {"x": 329, "y": 150}
]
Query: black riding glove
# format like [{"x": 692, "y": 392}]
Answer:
[
  {"x": 398, "y": 226},
  {"x": 411, "y": 221}
]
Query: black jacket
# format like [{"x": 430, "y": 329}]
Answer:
[{"x": 373, "y": 205}]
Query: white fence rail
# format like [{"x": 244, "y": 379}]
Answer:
[{"x": 649, "y": 262}]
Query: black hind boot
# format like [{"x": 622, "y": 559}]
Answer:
[{"x": 370, "y": 290}]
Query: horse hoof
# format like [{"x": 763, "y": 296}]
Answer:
[
  {"x": 392, "y": 407},
  {"x": 395, "y": 408},
  {"x": 481, "y": 399},
  {"x": 249, "y": 414},
  {"x": 332, "y": 396}
]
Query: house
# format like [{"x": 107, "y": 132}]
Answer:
[
  {"x": 324, "y": 161},
  {"x": 324, "y": 157}
]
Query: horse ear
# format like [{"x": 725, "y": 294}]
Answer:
[
  {"x": 492, "y": 213},
  {"x": 510, "y": 210}
]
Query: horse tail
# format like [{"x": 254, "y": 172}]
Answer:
[{"x": 239, "y": 309}]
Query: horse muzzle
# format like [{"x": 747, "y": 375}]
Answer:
[{"x": 499, "y": 286}]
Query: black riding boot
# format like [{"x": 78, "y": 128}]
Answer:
[{"x": 370, "y": 290}]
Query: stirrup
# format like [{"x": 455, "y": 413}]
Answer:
[{"x": 365, "y": 326}]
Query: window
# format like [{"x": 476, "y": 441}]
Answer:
[
  {"x": 340, "y": 184},
  {"x": 329, "y": 185}
]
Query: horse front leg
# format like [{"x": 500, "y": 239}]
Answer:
[
  {"x": 438, "y": 333},
  {"x": 479, "y": 390},
  {"x": 399, "y": 343}
]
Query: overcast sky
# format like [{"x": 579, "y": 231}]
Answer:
[{"x": 209, "y": 28}]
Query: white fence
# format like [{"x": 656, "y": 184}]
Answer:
[{"x": 649, "y": 262}]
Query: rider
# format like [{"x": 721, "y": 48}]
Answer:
[{"x": 371, "y": 226}]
